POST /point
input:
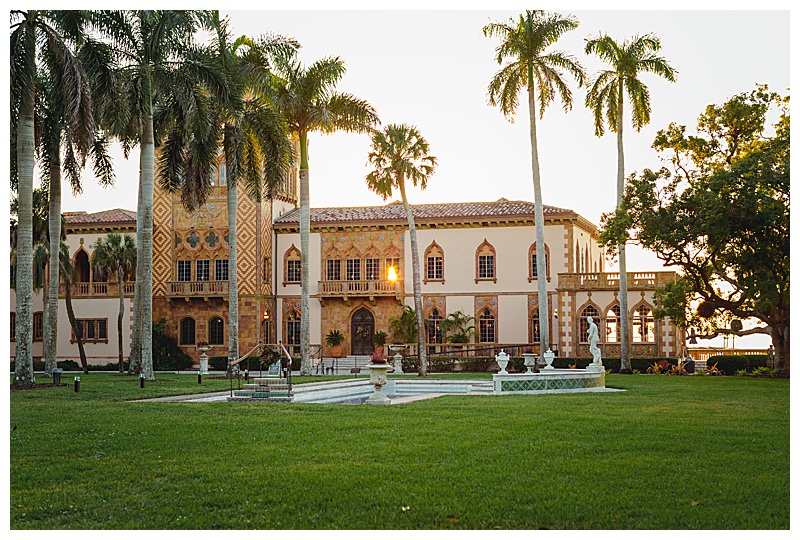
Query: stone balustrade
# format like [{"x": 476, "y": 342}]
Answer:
[{"x": 610, "y": 280}]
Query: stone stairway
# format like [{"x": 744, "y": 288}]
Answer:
[{"x": 272, "y": 389}]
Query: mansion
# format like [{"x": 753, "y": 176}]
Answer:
[{"x": 478, "y": 258}]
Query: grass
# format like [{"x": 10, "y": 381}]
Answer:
[{"x": 670, "y": 453}]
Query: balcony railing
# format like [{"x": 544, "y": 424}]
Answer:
[
  {"x": 366, "y": 287},
  {"x": 98, "y": 288},
  {"x": 197, "y": 288},
  {"x": 610, "y": 280}
]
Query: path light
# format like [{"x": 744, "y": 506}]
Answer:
[
  {"x": 77, "y": 384},
  {"x": 141, "y": 380}
]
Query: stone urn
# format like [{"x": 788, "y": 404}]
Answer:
[
  {"x": 502, "y": 361},
  {"x": 377, "y": 378},
  {"x": 203, "y": 348},
  {"x": 548, "y": 358},
  {"x": 398, "y": 358},
  {"x": 529, "y": 361}
]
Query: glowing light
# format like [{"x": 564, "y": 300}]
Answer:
[{"x": 392, "y": 274}]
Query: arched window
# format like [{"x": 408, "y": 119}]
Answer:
[
  {"x": 588, "y": 311},
  {"x": 434, "y": 263},
  {"x": 82, "y": 266},
  {"x": 435, "y": 327},
  {"x": 187, "y": 331},
  {"x": 293, "y": 328},
  {"x": 216, "y": 331},
  {"x": 485, "y": 257},
  {"x": 644, "y": 327},
  {"x": 536, "y": 333},
  {"x": 532, "y": 270},
  {"x": 487, "y": 330},
  {"x": 292, "y": 265},
  {"x": 613, "y": 331}
]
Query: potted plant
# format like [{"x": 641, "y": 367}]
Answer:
[
  {"x": 334, "y": 341},
  {"x": 379, "y": 340}
]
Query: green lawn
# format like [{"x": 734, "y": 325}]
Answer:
[{"x": 670, "y": 453}]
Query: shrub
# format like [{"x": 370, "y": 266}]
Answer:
[
  {"x": 167, "y": 356},
  {"x": 730, "y": 363},
  {"x": 219, "y": 363},
  {"x": 763, "y": 371}
]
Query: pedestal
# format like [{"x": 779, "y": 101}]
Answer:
[
  {"x": 595, "y": 367},
  {"x": 398, "y": 364},
  {"x": 203, "y": 362},
  {"x": 377, "y": 377}
]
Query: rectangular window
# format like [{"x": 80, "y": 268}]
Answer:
[
  {"x": 372, "y": 269},
  {"x": 485, "y": 266},
  {"x": 184, "y": 270},
  {"x": 487, "y": 329},
  {"x": 534, "y": 270},
  {"x": 203, "y": 270},
  {"x": 392, "y": 262},
  {"x": 293, "y": 332},
  {"x": 265, "y": 270},
  {"x": 435, "y": 267},
  {"x": 333, "y": 270},
  {"x": 38, "y": 326},
  {"x": 221, "y": 270},
  {"x": 93, "y": 330},
  {"x": 293, "y": 271},
  {"x": 13, "y": 326},
  {"x": 353, "y": 270},
  {"x": 223, "y": 174}
]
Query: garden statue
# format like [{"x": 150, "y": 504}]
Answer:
[{"x": 594, "y": 338}]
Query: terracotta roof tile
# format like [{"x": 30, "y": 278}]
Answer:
[
  {"x": 116, "y": 215},
  {"x": 394, "y": 212}
]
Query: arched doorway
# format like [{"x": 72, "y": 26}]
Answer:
[
  {"x": 82, "y": 266},
  {"x": 362, "y": 326}
]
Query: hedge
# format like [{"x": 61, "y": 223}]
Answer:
[
  {"x": 251, "y": 363},
  {"x": 729, "y": 364}
]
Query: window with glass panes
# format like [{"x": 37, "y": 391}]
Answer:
[
  {"x": 293, "y": 267},
  {"x": 187, "y": 331},
  {"x": 612, "y": 325},
  {"x": 333, "y": 270},
  {"x": 485, "y": 266},
  {"x": 588, "y": 311},
  {"x": 216, "y": 331},
  {"x": 644, "y": 330},
  {"x": 353, "y": 269},
  {"x": 536, "y": 334},
  {"x": 486, "y": 326},
  {"x": 293, "y": 328},
  {"x": 221, "y": 270},
  {"x": 435, "y": 327},
  {"x": 13, "y": 326},
  {"x": 372, "y": 269},
  {"x": 38, "y": 326},
  {"x": 435, "y": 267},
  {"x": 223, "y": 174},
  {"x": 184, "y": 270},
  {"x": 534, "y": 271},
  {"x": 392, "y": 262},
  {"x": 92, "y": 330},
  {"x": 203, "y": 269}
]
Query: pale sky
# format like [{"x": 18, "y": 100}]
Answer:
[{"x": 431, "y": 69}]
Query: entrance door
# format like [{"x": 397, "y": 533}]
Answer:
[{"x": 362, "y": 326}]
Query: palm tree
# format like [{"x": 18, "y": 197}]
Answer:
[
  {"x": 458, "y": 327},
  {"x": 400, "y": 153},
  {"x": 308, "y": 100},
  {"x": 524, "y": 43},
  {"x": 606, "y": 99},
  {"x": 152, "y": 48},
  {"x": 404, "y": 327},
  {"x": 117, "y": 253},
  {"x": 255, "y": 140},
  {"x": 51, "y": 37}
]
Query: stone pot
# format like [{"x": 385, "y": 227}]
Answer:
[{"x": 377, "y": 378}]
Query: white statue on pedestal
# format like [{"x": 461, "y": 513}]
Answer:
[{"x": 594, "y": 338}]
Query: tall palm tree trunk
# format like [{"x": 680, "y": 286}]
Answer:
[
  {"x": 541, "y": 268},
  {"x": 121, "y": 281},
  {"x": 305, "y": 233},
  {"x": 23, "y": 361},
  {"x": 415, "y": 270},
  {"x": 135, "y": 361},
  {"x": 76, "y": 329},
  {"x": 144, "y": 262},
  {"x": 54, "y": 225},
  {"x": 625, "y": 339},
  {"x": 233, "y": 289}
]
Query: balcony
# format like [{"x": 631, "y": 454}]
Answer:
[
  {"x": 197, "y": 289},
  {"x": 97, "y": 289},
  {"x": 610, "y": 280},
  {"x": 361, "y": 288}
]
